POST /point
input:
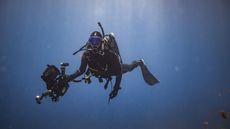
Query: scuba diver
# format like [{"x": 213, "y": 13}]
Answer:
[{"x": 101, "y": 59}]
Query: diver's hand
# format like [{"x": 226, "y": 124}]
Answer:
[{"x": 114, "y": 93}]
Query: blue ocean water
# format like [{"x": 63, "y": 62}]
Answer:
[{"x": 184, "y": 43}]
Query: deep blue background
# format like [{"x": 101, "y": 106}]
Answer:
[{"x": 185, "y": 43}]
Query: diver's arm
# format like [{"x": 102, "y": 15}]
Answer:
[
  {"x": 117, "y": 82},
  {"x": 116, "y": 87},
  {"x": 81, "y": 69},
  {"x": 117, "y": 67}
]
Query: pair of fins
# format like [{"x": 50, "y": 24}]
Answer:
[{"x": 147, "y": 75}]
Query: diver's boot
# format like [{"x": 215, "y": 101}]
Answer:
[
  {"x": 141, "y": 62},
  {"x": 147, "y": 75}
]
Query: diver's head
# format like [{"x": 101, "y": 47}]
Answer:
[{"x": 95, "y": 38}]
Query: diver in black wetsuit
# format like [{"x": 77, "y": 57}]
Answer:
[{"x": 103, "y": 60}]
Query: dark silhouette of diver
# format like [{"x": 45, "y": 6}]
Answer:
[{"x": 101, "y": 59}]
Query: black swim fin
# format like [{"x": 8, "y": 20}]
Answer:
[{"x": 147, "y": 75}]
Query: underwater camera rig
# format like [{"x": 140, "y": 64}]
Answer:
[{"x": 56, "y": 82}]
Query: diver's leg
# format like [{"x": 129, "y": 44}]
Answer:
[
  {"x": 147, "y": 75},
  {"x": 130, "y": 67}
]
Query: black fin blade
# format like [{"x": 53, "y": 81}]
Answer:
[{"x": 148, "y": 76}]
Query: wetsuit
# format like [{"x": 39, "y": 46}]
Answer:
[{"x": 105, "y": 64}]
